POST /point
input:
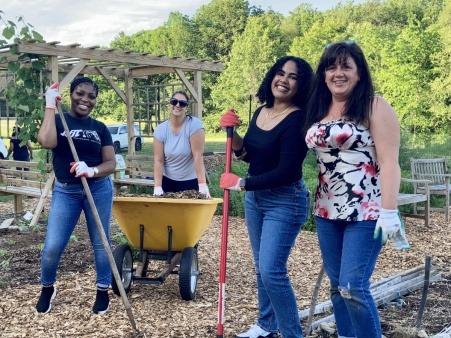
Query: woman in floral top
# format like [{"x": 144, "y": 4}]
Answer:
[{"x": 355, "y": 135}]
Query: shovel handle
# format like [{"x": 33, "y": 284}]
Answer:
[{"x": 225, "y": 225}]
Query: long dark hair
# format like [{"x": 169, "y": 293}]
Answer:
[
  {"x": 358, "y": 105},
  {"x": 305, "y": 77}
]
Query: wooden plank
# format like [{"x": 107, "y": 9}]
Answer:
[
  {"x": 389, "y": 296},
  {"x": 26, "y": 191},
  {"x": 45, "y": 193},
  {"x": 377, "y": 288}
]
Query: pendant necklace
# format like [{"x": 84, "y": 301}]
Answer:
[
  {"x": 337, "y": 115},
  {"x": 268, "y": 118}
]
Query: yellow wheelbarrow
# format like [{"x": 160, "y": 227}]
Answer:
[{"x": 164, "y": 229}]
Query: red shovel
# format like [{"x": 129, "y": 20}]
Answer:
[{"x": 225, "y": 225}]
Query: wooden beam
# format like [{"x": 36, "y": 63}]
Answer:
[
  {"x": 113, "y": 84},
  {"x": 94, "y": 53},
  {"x": 198, "y": 105},
  {"x": 72, "y": 74},
  {"x": 130, "y": 117}
]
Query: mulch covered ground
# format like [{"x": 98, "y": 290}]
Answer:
[{"x": 158, "y": 310}]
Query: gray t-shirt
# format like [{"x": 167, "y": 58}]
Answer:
[{"x": 178, "y": 158}]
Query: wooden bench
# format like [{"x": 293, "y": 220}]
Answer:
[
  {"x": 138, "y": 172},
  {"x": 414, "y": 198},
  {"x": 436, "y": 171},
  {"x": 22, "y": 178}
]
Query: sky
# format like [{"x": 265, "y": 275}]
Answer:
[{"x": 91, "y": 23}]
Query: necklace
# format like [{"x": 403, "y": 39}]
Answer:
[
  {"x": 336, "y": 115},
  {"x": 268, "y": 118}
]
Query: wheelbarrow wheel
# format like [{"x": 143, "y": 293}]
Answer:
[
  {"x": 188, "y": 273},
  {"x": 123, "y": 258}
]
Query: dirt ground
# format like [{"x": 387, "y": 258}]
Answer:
[{"x": 158, "y": 310}]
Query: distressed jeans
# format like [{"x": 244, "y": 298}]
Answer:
[
  {"x": 349, "y": 254},
  {"x": 274, "y": 218},
  {"x": 68, "y": 200}
]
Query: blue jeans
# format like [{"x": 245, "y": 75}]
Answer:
[
  {"x": 68, "y": 200},
  {"x": 274, "y": 218},
  {"x": 349, "y": 254}
]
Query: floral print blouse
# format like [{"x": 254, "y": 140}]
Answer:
[{"x": 348, "y": 173}]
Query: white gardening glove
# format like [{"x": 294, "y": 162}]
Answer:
[
  {"x": 158, "y": 191},
  {"x": 399, "y": 239},
  {"x": 81, "y": 169},
  {"x": 388, "y": 223},
  {"x": 203, "y": 189},
  {"x": 230, "y": 182},
  {"x": 52, "y": 95}
]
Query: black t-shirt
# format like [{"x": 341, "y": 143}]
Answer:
[
  {"x": 20, "y": 153},
  {"x": 275, "y": 156},
  {"x": 88, "y": 135}
]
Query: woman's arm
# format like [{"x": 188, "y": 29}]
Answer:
[
  {"x": 385, "y": 129},
  {"x": 47, "y": 136},
  {"x": 197, "y": 141},
  {"x": 108, "y": 165},
  {"x": 158, "y": 162}
]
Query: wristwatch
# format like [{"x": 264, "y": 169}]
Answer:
[
  {"x": 96, "y": 171},
  {"x": 242, "y": 183}
]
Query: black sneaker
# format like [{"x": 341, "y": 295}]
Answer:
[
  {"x": 102, "y": 303},
  {"x": 48, "y": 293}
]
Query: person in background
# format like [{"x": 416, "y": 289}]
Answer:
[
  {"x": 178, "y": 150},
  {"x": 276, "y": 198},
  {"x": 355, "y": 135},
  {"x": 19, "y": 152},
  {"x": 95, "y": 150}
]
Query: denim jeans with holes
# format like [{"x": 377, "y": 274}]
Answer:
[
  {"x": 274, "y": 218},
  {"x": 349, "y": 254},
  {"x": 68, "y": 200}
]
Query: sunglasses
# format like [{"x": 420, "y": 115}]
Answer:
[{"x": 182, "y": 103}]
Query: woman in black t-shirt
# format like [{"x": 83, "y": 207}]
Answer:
[
  {"x": 19, "y": 152},
  {"x": 97, "y": 161}
]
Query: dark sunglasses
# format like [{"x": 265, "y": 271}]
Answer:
[{"x": 182, "y": 103}]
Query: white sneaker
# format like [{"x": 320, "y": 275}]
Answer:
[{"x": 257, "y": 332}]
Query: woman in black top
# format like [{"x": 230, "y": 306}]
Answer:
[
  {"x": 276, "y": 200},
  {"x": 20, "y": 152},
  {"x": 97, "y": 161}
]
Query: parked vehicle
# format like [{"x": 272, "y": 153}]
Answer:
[
  {"x": 3, "y": 150},
  {"x": 120, "y": 137}
]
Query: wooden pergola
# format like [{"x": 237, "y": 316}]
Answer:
[{"x": 70, "y": 60}]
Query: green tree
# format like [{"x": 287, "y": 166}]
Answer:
[
  {"x": 219, "y": 24},
  {"x": 441, "y": 85},
  {"x": 253, "y": 53},
  {"x": 407, "y": 72}
]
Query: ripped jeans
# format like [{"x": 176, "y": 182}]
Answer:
[{"x": 349, "y": 255}]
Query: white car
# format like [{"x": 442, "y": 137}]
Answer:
[
  {"x": 3, "y": 150},
  {"x": 120, "y": 137}
]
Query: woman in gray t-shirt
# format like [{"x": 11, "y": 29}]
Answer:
[{"x": 178, "y": 150}]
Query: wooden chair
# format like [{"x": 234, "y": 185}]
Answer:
[{"x": 436, "y": 171}]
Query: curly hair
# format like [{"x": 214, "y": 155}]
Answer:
[
  {"x": 358, "y": 105},
  {"x": 305, "y": 78}
]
